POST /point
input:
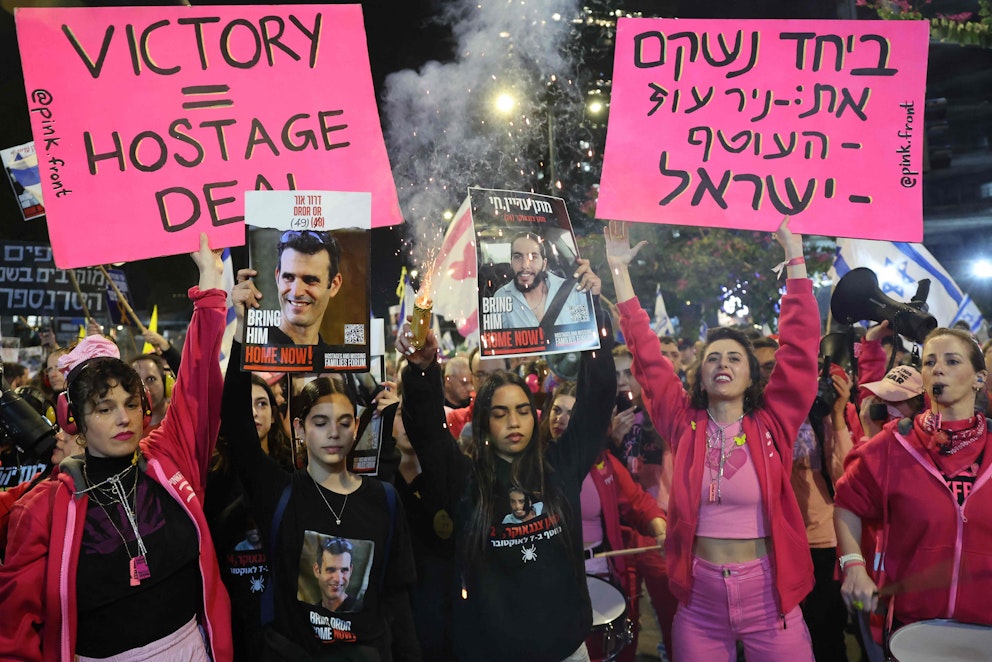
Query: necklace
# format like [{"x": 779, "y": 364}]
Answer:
[
  {"x": 137, "y": 565},
  {"x": 337, "y": 517},
  {"x": 716, "y": 472}
]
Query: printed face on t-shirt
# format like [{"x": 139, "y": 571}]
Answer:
[
  {"x": 333, "y": 574},
  {"x": 333, "y": 577}
]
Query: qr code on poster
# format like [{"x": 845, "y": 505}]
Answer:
[
  {"x": 578, "y": 314},
  {"x": 354, "y": 334}
]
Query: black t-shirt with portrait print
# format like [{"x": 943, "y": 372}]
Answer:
[
  {"x": 377, "y": 585},
  {"x": 526, "y": 597}
]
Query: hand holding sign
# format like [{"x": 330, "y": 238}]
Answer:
[
  {"x": 244, "y": 295},
  {"x": 586, "y": 279},
  {"x": 793, "y": 246},
  {"x": 209, "y": 264}
]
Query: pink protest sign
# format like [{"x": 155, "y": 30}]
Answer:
[
  {"x": 152, "y": 122},
  {"x": 735, "y": 124}
]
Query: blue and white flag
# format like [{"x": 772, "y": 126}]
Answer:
[
  {"x": 662, "y": 322},
  {"x": 899, "y": 267},
  {"x": 227, "y": 282}
]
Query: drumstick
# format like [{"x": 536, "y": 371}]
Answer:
[{"x": 623, "y": 552}]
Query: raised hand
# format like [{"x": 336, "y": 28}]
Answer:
[
  {"x": 618, "y": 250},
  {"x": 421, "y": 358},
  {"x": 209, "y": 263}
]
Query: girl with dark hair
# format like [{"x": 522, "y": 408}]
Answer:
[
  {"x": 268, "y": 423},
  {"x": 923, "y": 482},
  {"x": 520, "y": 590},
  {"x": 112, "y": 558},
  {"x": 734, "y": 526},
  {"x": 352, "y": 605},
  {"x": 243, "y": 562}
]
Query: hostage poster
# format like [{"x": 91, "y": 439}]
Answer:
[
  {"x": 528, "y": 301},
  {"x": 312, "y": 252}
]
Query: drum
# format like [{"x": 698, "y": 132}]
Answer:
[
  {"x": 941, "y": 640},
  {"x": 610, "y": 625}
]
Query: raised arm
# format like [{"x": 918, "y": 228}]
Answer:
[
  {"x": 594, "y": 395},
  {"x": 262, "y": 477},
  {"x": 664, "y": 397},
  {"x": 442, "y": 462},
  {"x": 792, "y": 385},
  {"x": 189, "y": 430}
]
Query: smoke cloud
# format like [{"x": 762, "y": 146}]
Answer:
[{"x": 442, "y": 127}]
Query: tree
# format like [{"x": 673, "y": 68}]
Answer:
[{"x": 701, "y": 270}]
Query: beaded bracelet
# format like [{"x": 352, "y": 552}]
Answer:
[{"x": 851, "y": 559}]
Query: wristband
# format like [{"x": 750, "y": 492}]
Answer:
[
  {"x": 852, "y": 564},
  {"x": 791, "y": 262},
  {"x": 849, "y": 559}
]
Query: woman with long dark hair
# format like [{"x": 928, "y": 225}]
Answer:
[
  {"x": 923, "y": 482},
  {"x": 520, "y": 592},
  {"x": 112, "y": 558},
  {"x": 337, "y": 542},
  {"x": 736, "y": 549}
]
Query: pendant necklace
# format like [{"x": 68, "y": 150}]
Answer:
[
  {"x": 337, "y": 518},
  {"x": 716, "y": 473},
  {"x": 137, "y": 565}
]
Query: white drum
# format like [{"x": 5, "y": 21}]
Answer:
[
  {"x": 610, "y": 625},
  {"x": 941, "y": 640}
]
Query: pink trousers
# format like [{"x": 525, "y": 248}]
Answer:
[{"x": 733, "y": 602}]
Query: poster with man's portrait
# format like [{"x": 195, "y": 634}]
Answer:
[
  {"x": 528, "y": 301},
  {"x": 334, "y": 572},
  {"x": 312, "y": 252}
]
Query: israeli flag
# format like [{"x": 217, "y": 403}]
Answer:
[
  {"x": 899, "y": 267},
  {"x": 662, "y": 322}
]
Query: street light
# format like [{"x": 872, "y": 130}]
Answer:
[{"x": 981, "y": 268}]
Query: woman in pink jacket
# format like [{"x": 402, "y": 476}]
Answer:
[
  {"x": 112, "y": 557},
  {"x": 738, "y": 559},
  {"x": 924, "y": 481}
]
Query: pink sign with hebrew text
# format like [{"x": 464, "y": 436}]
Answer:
[
  {"x": 151, "y": 122},
  {"x": 735, "y": 124}
]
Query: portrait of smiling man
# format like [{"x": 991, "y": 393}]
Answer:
[{"x": 307, "y": 277}]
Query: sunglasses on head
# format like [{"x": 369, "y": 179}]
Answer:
[{"x": 322, "y": 237}]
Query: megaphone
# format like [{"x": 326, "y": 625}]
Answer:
[{"x": 858, "y": 297}]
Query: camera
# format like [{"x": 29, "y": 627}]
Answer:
[
  {"x": 826, "y": 394},
  {"x": 22, "y": 426},
  {"x": 878, "y": 412}
]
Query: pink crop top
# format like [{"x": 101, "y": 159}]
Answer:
[{"x": 740, "y": 513}]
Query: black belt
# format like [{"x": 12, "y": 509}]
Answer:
[{"x": 590, "y": 553}]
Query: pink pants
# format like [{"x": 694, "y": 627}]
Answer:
[{"x": 733, "y": 602}]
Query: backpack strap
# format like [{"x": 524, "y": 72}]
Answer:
[{"x": 268, "y": 607}]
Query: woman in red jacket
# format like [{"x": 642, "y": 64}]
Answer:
[
  {"x": 738, "y": 560},
  {"x": 112, "y": 557},
  {"x": 924, "y": 480}
]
